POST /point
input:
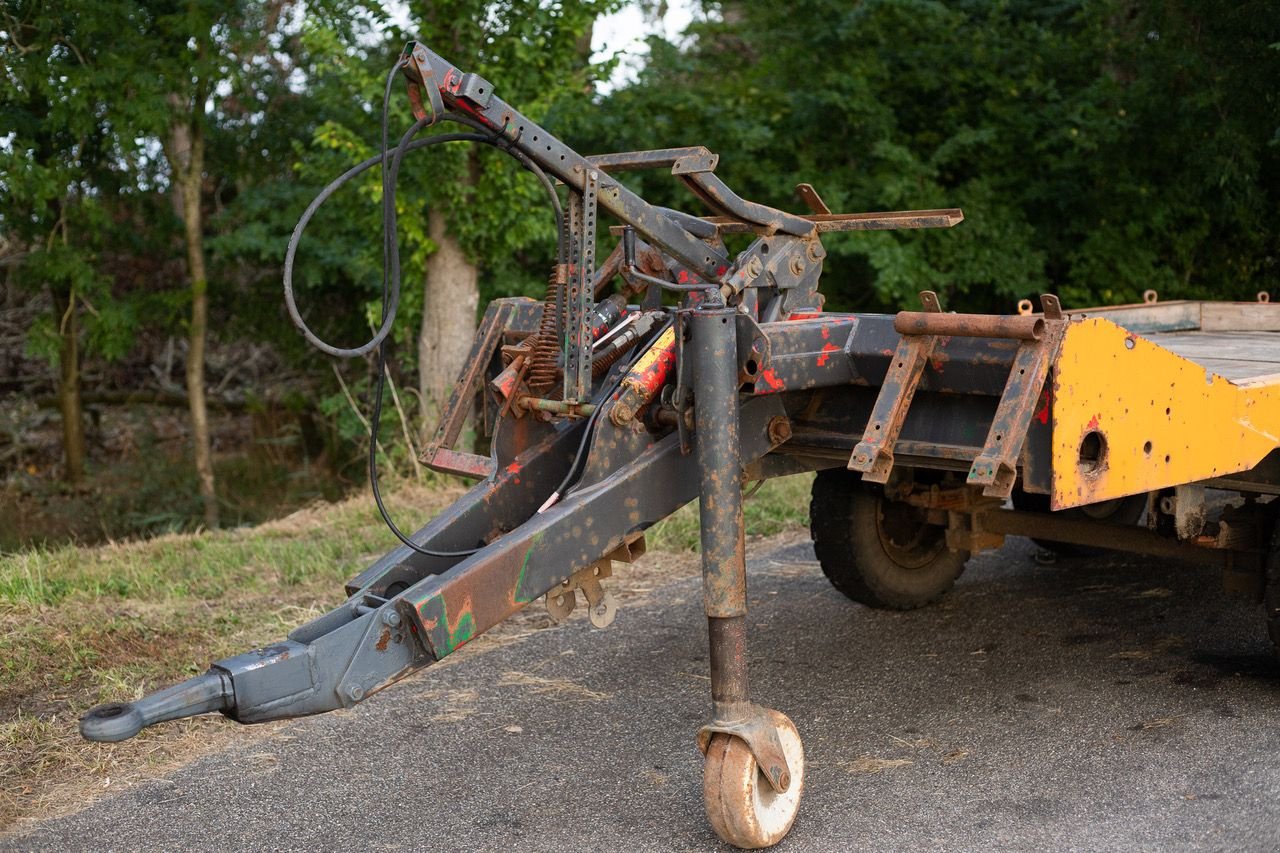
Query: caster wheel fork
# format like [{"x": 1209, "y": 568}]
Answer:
[{"x": 745, "y": 806}]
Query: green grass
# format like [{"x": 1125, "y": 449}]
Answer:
[
  {"x": 779, "y": 505},
  {"x": 83, "y": 625}
]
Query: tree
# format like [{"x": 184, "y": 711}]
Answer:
[
  {"x": 1098, "y": 148},
  {"x": 59, "y": 165},
  {"x": 211, "y": 68}
]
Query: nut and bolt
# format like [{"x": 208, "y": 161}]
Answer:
[{"x": 779, "y": 430}]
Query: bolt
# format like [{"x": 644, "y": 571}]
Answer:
[
  {"x": 797, "y": 266},
  {"x": 620, "y": 414},
  {"x": 356, "y": 693},
  {"x": 779, "y": 430},
  {"x": 560, "y": 601},
  {"x": 391, "y": 618}
]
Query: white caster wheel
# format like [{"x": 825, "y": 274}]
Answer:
[{"x": 742, "y": 806}]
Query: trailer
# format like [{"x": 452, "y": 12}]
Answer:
[{"x": 678, "y": 369}]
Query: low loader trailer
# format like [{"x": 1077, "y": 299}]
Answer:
[{"x": 674, "y": 369}]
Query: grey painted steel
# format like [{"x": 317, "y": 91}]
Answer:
[{"x": 120, "y": 721}]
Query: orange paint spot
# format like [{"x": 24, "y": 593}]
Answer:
[
  {"x": 771, "y": 381},
  {"x": 827, "y": 349}
]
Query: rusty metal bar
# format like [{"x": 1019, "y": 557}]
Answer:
[
  {"x": 873, "y": 455},
  {"x": 1080, "y": 531},
  {"x": 843, "y": 222},
  {"x": 557, "y": 407},
  {"x": 694, "y": 157},
  {"x": 728, "y": 643},
  {"x": 431, "y": 70},
  {"x": 969, "y": 325},
  {"x": 717, "y": 196},
  {"x": 439, "y": 455},
  {"x": 580, "y": 291},
  {"x": 996, "y": 467}
]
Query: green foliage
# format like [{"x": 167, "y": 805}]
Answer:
[{"x": 1097, "y": 147}]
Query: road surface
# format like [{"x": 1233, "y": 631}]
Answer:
[{"x": 1109, "y": 704}]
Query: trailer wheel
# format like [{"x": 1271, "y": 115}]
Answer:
[
  {"x": 878, "y": 552},
  {"x": 742, "y": 806},
  {"x": 1271, "y": 596}
]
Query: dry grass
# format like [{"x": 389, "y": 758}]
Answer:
[{"x": 79, "y": 626}]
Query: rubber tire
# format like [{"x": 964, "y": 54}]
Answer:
[
  {"x": 1127, "y": 511},
  {"x": 845, "y": 522},
  {"x": 1271, "y": 594},
  {"x": 742, "y": 807}
]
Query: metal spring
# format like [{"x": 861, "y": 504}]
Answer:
[
  {"x": 546, "y": 348},
  {"x": 601, "y": 363}
]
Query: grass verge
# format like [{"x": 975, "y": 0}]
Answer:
[{"x": 79, "y": 626}]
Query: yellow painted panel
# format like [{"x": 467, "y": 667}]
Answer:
[{"x": 1154, "y": 419}]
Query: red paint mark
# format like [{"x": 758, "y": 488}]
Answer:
[
  {"x": 937, "y": 364},
  {"x": 772, "y": 382},
  {"x": 1042, "y": 415},
  {"x": 721, "y": 270},
  {"x": 801, "y": 315},
  {"x": 826, "y": 333},
  {"x": 1093, "y": 422},
  {"x": 827, "y": 349},
  {"x": 513, "y": 468},
  {"x": 683, "y": 278}
]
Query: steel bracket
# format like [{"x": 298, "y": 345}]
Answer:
[
  {"x": 873, "y": 455},
  {"x": 996, "y": 467},
  {"x": 600, "y": 602},
  {"x": 439, "y": 454},
  {"x": 751, "y": 723}
]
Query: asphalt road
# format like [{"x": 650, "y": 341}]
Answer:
[{"x": 1114, "y": 704}]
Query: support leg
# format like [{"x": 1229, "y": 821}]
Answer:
[{"x": 755, "y": 764}]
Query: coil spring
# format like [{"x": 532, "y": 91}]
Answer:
[
  {"x": 599, "y": 364},
  {"x": 542, "y": 369}
]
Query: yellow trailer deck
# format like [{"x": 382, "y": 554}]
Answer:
[{"x": 1161, "y": 395}]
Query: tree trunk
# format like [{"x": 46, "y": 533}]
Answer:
[
  {"x": 69, "y": 403},
  {"x": 448, "y": 316},
  {"x": 186, "y": 160}
]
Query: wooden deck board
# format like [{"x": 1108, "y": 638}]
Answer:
[{"x": 1231, "y": 355}]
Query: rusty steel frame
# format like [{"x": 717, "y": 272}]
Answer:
[{"x": 748, "y": 375}]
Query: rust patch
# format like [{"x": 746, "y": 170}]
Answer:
[{"x": 383, "y": 640}]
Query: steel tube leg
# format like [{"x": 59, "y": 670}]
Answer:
[
  {"x": 754, "y": 770},
  {"x": 714, "y": 357}
]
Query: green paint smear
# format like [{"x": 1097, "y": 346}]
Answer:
[
  {"x": 446, "y": 640},
  {"x": 524, "y": 567},
  {"x": 465, "y": 631}
]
